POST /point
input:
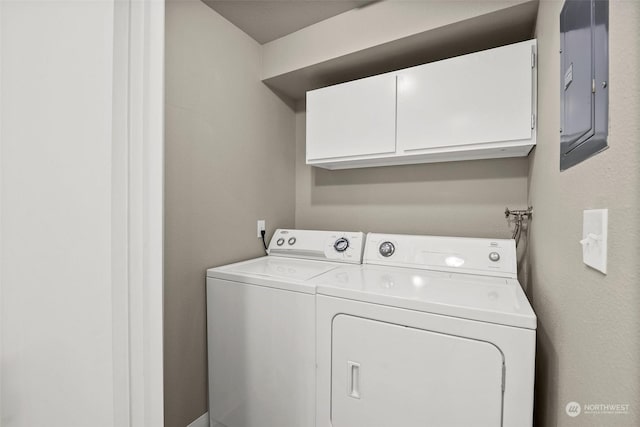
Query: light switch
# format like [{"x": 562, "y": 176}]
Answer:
[{"x": 594, "y": 239}]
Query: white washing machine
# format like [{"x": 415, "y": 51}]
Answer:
[
  {"x": 261, "y": 329},
  {"x": 429, "y": 331}
]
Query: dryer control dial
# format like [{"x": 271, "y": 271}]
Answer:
[
  {"x": 387, "y": 249},
  {"x": 341, "y": 244}
]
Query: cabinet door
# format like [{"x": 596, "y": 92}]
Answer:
[
  {"x": 385, "y": 375},
  {"x": 477, "y": 98},
  {"x": 352, "y": 119}
]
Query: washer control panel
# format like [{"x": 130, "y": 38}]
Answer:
[
  {"x": 340, "y": 246},
  {"x": 490, "y": 257}
]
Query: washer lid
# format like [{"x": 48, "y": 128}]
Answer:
[
  {"x": 283, "y": 273},
  {"x": 484, "y": 298}
]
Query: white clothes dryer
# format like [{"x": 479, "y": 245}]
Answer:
[
  {"x": 261, "y": 329},
  {"x": 430, "y": 331}
]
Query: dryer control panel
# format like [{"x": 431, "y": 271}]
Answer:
[
  {"x": 337, "y": 246},
  {"x": 488, "y": 257}
]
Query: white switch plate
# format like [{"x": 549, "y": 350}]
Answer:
[
  {"x": 594, "y": 238},
  {"x": 261, "y": 226}
]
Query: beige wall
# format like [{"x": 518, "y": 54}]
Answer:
[
  {"x": 229, "y": 162},
  {"x": 453, "y": 199},
  {"x": 368, "y": 27},
  {"x": 589, "y": 323}
]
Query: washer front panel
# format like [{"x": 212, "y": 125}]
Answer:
[{"x": 261, "y": 344}]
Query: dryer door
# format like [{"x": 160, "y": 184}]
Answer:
[{"x": 387, "y": 375}]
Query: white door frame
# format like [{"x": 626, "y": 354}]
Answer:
[
  {"x": 137, "y": 213},
  {"x": 137, "y": 216}
]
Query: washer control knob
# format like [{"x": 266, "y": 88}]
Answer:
[
  {"x": 341, "y": 244},
  {"x": 280, "y": 242},
  {"x": 387, "y": 249},
  {"x": 292, "y": 241},
  {"x": 494, "y": 256}
]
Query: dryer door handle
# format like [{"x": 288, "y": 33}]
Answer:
[{"x": 353, "y": 374}]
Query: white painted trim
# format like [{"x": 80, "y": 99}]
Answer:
[
  {"x": 1, "y": 302},
  {"x": 120, "y": 216},
  {"x": 146, "y": 79},
  {"x": 201, "y": 421},
  {"x": 137, "y": 212}
]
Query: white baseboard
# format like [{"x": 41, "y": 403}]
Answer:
[{"x": 202, "y": 421}]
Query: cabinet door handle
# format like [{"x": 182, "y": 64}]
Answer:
[{"x": 353, "y": 373}]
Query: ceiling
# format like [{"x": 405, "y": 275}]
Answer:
[{"x": 267, "y": 20}]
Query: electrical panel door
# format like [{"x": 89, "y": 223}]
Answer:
[{"x": 583, "y": 80}]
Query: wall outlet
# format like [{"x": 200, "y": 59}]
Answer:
[{"x": 261, "y": 226}]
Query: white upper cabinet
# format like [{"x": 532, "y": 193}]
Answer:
[
  {"x": 477, "y": 106},
  {"x": 484, "y": 97},
  {"x": 352, "y": 119}
]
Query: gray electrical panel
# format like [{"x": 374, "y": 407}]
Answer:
[{"x": 584, "y": 80}]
